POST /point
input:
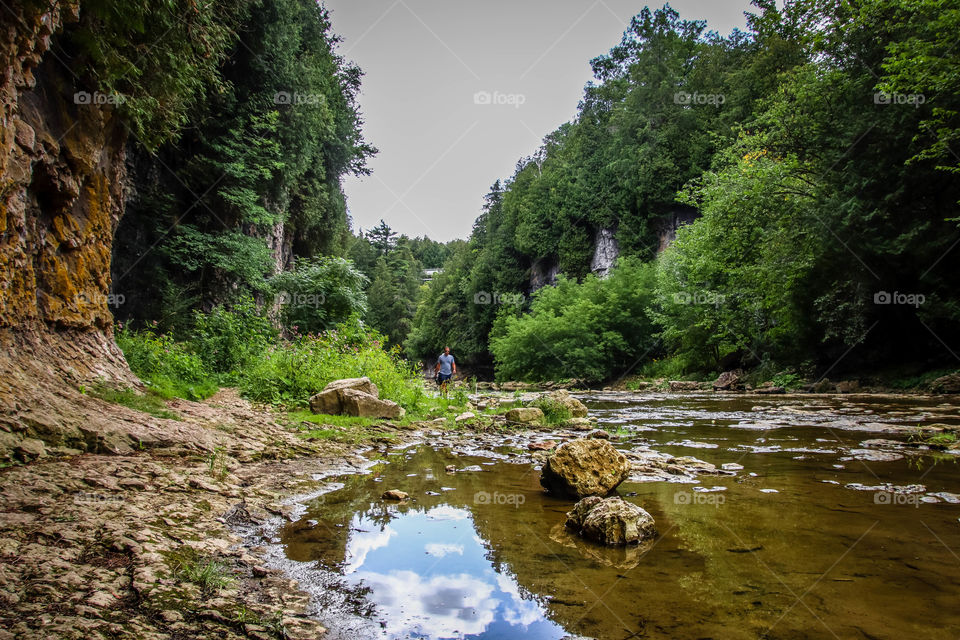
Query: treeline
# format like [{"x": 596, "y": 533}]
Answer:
[
  {"x": 236, "y": 193},
  {"x": 814, "y": 150}
]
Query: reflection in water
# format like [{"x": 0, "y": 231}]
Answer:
[
  {"x": 428, "y": 574},
  {"x": 800, "y": 543}
]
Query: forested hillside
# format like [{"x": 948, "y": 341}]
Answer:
[{"x": 804, "y": 168}]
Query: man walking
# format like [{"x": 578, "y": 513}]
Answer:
[{"x": 446, "y": 368}]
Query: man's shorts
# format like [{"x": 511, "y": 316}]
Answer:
[{"x": 443, "y": 377}]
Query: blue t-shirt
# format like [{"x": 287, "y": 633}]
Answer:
[{"x": 446, "y": 363}]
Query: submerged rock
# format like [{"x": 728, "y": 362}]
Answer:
[
  {"x": 582, "y": 468},
  {"x": 613, "y": 522},
  {"x": 395, "y": 494}
]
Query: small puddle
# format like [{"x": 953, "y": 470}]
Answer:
[{"x": 796, "y": 544}]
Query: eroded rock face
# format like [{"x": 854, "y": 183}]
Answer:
[
  {"x": 613, "y": 522},
  {"x": 582, "y": 468},
  {"x": 62, "y": 169},
  {"x": 946, "y": 384}
]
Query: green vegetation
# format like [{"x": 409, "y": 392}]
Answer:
[
  {"x": 804, "y": 167},
  {"x": 150, "y": 402},
  {"x": 208, "y": 574},
  {"x": 554, "y": 411}
]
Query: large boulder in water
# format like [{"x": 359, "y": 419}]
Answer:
[
  {"x": 525, "y": 415},
  {"x": 613, "y": 522},
  {"x": 583, "y": 467}
]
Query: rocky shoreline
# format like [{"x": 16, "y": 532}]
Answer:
[{"x": 167, "y": 541}]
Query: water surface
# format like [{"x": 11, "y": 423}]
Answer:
[{"x": 812, "y": 538}]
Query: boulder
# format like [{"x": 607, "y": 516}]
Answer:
[
  {"x": 582, "y": 467},
  {"x": 466, "y": 416},
  {"x": 684, "y": 385},
  {"x": 360, "y": 384},
  {"x": 543, "y": 445},
  {"x": 946, "y": 384},
  {"x": 599, "y": 433},
  {"x": 848, "y": 386},
  {"x": 525, "y": 415},
  {"x": 326, "y": 402},
  {"x": 395, "y": 494},
  {"x": 578, "y": 424},
  {"x": 767, "y": 387},
  {"x": 576, "y": 515},
  {"x": 576, "y": 408},
  {"x": 729, "y": 380},
  {"x": 363, "y": 405},
  {"x": 613, "y": 522}
]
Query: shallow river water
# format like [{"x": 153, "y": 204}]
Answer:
[{"x": 816, "y": 536}]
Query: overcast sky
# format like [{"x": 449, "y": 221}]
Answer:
[{"x": 455, "y": 92}]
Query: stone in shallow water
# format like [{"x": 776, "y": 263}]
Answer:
[
  {"x": 613, "y": 521},
  {"x": 584, "y": 467},
  {"x": 395, "y": 494}
]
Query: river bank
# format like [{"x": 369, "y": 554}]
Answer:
[{"x": 174, "y": 541}]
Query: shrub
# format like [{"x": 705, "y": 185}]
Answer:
[
  {"x": 593, "y": 330},
  {"x": 319, "y": 293},
  {"x": 226, "y": 340},
  {"x": 169, "y": 368},
  {"x": 290, "y": 372}
]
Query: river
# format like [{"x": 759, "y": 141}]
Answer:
[{"x": 824, "y": 525}]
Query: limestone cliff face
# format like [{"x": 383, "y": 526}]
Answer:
[{"x": 61, "y": 196}]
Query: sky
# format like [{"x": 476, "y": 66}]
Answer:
[{"x": 455, "y": 92}]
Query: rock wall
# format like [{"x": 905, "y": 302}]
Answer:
[
  {"x": 666, "y": 227},
  {"x": 62, "y": 177},
  {"x": 605, "y": 252}
]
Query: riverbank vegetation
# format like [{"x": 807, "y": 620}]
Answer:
[
  {"x": 804, "y": 168},
  {"x": 783, "y": 199}
]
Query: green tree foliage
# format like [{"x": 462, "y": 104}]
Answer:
[
  {"x": 254, "y": 179},
  {"x": 815, "y": 148},
  {"x": 394, "y": 293},
  {"x": 593, "y": 330},
  {"x": 319, "y": 293}
]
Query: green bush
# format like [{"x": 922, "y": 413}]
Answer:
[
  {"x": 319, "y": 293},
  {"x": 593, "y": 331},
  {"x": 169, "y": 368},
  {"x": 554, "y": 411},
  {"x": 227, "y": 340},
  {"x": 290, "y": 372}
]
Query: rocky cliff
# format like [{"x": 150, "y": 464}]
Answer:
[{"x": 61, "y": 196}]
